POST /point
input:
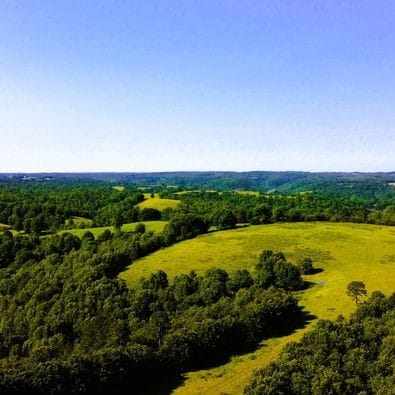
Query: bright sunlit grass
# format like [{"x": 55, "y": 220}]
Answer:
[
  {"x": 344, "y": 251},
  {"x": 158, "y": 203},
  {"x": 151, "y": 226}
]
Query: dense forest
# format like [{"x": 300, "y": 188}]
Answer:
[
  {"x": 69, "y": 325},
  {"x": 342, "y": 357},
  {"x": 226, "y": 209},
  {"x": 36, "y": 206},
  {"x": 363, "y": 185}
]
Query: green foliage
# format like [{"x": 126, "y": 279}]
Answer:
[
  {"x": 339, "y": 249},
  {"x": 140, "y": 228},
  {"x": 306, "y": 266},
  {"x": 273, "y": 269},
  {"x": 70, "y": 294},
  {"x": 240, "y": 279},
  {"x": 37, "y": 207},
  {"x": 224, "y": 219},
  {"x": 69, "y": 325},
  {"x": 41, "y": 206},
  {"x": 342, "y": 357},
  {"x": 356, "y": 289},
  {"x": 184, "y": 226},
  {"x": 149, "y": 214},
  {"x": 225, "y": 209}
]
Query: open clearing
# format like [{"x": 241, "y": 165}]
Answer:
[
  {"x": 150, "y": 226},
  {"x": 158, "y": 203},
  {"x": 344, "y": 251},
  {"x": 249, "y": 193},
  {"x": 78, "y": 221},
  {"x": 197, "y": 191}
]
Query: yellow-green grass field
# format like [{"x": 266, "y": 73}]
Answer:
[
  {"x": 197, "y": 190},
  {"x": 251, "y": 193},
  {"x": 119, "y": 188},
  {"x": 186, "y": 192},
  {"x": 80, "y": 221},
  {"x": 344, "y": 251},
  {"x": 158, "y": 203},
  {"x": 151, "y": 226},
  {"x": 3, "y": 226}
]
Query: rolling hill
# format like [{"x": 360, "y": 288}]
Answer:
[{"x": 345, "y": 252}]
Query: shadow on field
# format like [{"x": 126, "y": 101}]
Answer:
[
  {"x": 316, "y": 270},
  {"x": 308, "y": 284},
  {"x": 288, "y": 327},
  {"x": 158, "y": 387}
]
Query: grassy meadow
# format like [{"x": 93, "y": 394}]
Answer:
[
  {"x": 344, "y": 251},
  {"x": 249, "y": 193},
  {"x": 158, "y": 203},
  {"x": 78, "y": 221},
  {"x": 151, "y": 226},
  {"x": 197, "y": 190}
]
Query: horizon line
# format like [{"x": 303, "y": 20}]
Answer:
[{"x": 195, "y": 171}]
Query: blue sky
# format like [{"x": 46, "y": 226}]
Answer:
[{"x": 197, "y": 85}]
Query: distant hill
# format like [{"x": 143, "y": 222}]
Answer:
[{"x": 367, "y": 185}]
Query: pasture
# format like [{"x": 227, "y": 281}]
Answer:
[
  {"x": 344, "y": 251},
  {"x": 248, "y": 193},
  {"x": 78, "y": 221},
  {"x": 151, "y": 226},
  {"x": 157, "y": 202}
]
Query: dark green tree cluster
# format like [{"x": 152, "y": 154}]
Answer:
[
  {"x": 197, "y": 321},
  {"x": 226, "y": 209},
  {"x": 342, "y": 357},
  {"x": 274, "y": 269},
  {"x": 306, "y": 266},
  {"x": 45, "y": 206},
  {"x": 184, "y": 226}
]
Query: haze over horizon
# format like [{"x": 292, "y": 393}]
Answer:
[{"x": 99, "y": 86}]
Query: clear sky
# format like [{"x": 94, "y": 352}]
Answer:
[{"x": 197, "y": 85}]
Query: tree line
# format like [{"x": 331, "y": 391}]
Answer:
[
  {"x": 39, "y": 206},
  {"x": 226, "y": 209}
]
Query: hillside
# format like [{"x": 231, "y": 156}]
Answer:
[
  {"x": 158, "y": 203},
  {"x": 150, "y": 226},
  {"x": 345, "y": 252},
  {"x": 366, "y": 185}
]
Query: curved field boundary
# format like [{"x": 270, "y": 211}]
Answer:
[{"x": 344, "y": 251}]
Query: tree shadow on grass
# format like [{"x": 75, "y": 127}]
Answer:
[
  {"x": 316, "y": 270},
  {"x": 157, "y": 386},
  {"x": 308, "y": 284},
  {"x": 300, "y": 322},
  {"x": 287, "y": 327}
]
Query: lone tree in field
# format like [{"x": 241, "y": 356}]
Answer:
[{"x": 356, "y": 289}]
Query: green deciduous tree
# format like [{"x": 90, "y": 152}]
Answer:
[{"x": 356, "y": 289}]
